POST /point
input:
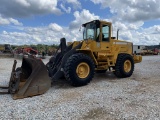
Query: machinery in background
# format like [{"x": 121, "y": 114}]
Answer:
[{"x": 5, "y": 48}]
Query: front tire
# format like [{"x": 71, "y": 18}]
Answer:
[
  {"x": 124, "y": 66},
  {"x": 79, "y": 69}
]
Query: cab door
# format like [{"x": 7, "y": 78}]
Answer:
[{"x": 105, "y": 38}]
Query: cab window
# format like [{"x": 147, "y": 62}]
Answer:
[{"x": 105, "y": 33}]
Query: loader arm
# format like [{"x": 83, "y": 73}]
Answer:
[{"x": 56, "y": 64}]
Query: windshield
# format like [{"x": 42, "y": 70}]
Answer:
[{"x": 89, "y": 31}]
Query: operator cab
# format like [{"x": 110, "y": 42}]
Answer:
[{"x": 97, "y": 30}]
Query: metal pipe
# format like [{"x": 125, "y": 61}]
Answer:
[{"x": 117, "y": 33}]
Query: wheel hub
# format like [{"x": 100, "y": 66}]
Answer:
[
  {"x": 127, "y": 65},
  {"x": 83, "y": 70}
]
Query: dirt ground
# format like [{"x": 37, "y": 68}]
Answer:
[{"x": 105, "y": 98}]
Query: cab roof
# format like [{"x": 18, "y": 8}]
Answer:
[{"x": 97, "y": 22}]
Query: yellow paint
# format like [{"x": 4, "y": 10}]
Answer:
[
  {"x": 137, "y": 58},
  {"x": 105, "y": 53},
  {"x": 127, "y": 66},
  {"x": 83, "y": 70}
]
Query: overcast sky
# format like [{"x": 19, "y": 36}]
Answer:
[{"x": 46, "y": 21}]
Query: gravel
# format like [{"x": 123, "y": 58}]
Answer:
[{"x": 106, "y": 97}]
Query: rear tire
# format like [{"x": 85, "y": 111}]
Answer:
[
  {"x": 124, "y": 66},
  {"x": 79, "y": 69}
]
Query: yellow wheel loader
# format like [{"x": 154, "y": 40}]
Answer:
[{"x": 77, "y": 61}]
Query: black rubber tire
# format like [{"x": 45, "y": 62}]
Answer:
[
  {"x": 101, "y": 71},
  {"x": 70, "y": 69},
  {"x": 18, "y": 69},
  {"x": 119, "y": 67}
]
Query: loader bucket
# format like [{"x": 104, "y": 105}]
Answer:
[{"x": 29, "y": 80}]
